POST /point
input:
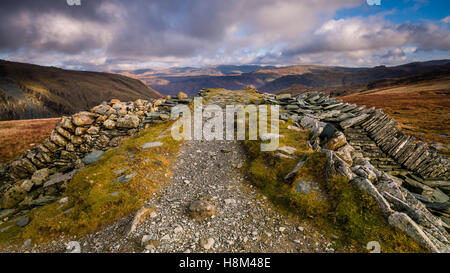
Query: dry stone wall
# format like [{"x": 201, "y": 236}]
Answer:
[
  {"x": 412, "y": 190},
  {"x": 39, "y": 176}
]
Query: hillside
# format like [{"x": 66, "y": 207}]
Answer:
[
  {"x": 275, "y": 79},
  {"x": 356, "y": 77},
  {"x": 433, "y": 77},
  {"x": 171, "y": 80},
  {"x": 33, "y": 91}
]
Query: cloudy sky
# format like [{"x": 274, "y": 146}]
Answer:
[{"x": 112, "y": 34}]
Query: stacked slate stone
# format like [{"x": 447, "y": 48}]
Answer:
[
  {"x": 406, "y": 207},
  {"x": 40, "y": 175}
]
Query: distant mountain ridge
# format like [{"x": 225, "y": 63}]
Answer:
[
  {"x": 33, "y": 91},
  {"x": 273, "y": 79}
]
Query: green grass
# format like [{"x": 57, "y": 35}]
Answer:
[{"x": 90, "y": 192}]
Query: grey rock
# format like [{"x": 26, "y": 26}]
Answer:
[
  {"x": 93, "y": 157},
  {"x": 149, "y": 145},
  {"x": 137, "y": 219},
  {"x": 26, "y": 244},
  {"x": 64, "y": 200},
  {"x": 59, "y": 178},
  {"x": 125, "y": 178},
  {"x": 405, "y": 223},
  {"x": 23, "y": 221},
  {"x": 26, "y": 185},
  {"x": 303, "y": 187},
  {"x": 119, "y": 172},
  {"x": 439, "y": 197},
  {"x": 128, "y": 121},
  {"x": 295, "y": 170},
  {"x": 6, "y": 213},
  {"x": 287, "y": 149},
  {"x": 43, "y": 200},
  {"x": 353, "y": 121}
]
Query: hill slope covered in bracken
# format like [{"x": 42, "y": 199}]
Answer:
[{"x": 32, "y": 91}]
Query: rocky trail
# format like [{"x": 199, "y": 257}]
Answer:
[{"x": 207, "y": 174}]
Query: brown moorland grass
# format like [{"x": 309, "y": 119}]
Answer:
[
  {"x": 420, "y": 110},
  {"x": 17, "y": 136}
]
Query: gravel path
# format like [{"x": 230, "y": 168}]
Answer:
[{"x": 245, "y": 221}]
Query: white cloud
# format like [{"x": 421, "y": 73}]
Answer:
[{"x": 446, "y": 19}]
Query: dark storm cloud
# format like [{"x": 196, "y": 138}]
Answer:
[
  {"x": 106, "y": 34},
  {"x": 159, "y": 28},
  {"x": 21, "y": 24},
  {"x": 154, "y": 28}
]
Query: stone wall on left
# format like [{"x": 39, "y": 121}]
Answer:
[{"x": 40, "y": 175}]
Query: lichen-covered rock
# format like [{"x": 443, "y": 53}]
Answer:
[
  {"x": 128, "y": 121},
  {"x": 77, "y": 140},
  {"x": 63, "y": 132},
  {"x": 283, "y": 96},
  {"x": 40, "y": 176},
  {"x": 182, "y": 96},
  {"x": 70, "y": 147},
  {"x": 67, "y": 124},
  {"x": 13, "y": 196},
  {"x": 102, "y": 141},
  {"x": 22, "y": 168},
  {"x": 115, "y": 141},
  {"x": 337, "y": 141},
  {"x": 122, "y": 111},
  {"x": 100, "y": 109},
  {"x": 101, "y": 119},
  {"x": 80, "y": 131},
  {"x": 93, "y": 130},
  {"x": 335, "y": 166},
  {"x": 403, "y": 222},
  {"x": 26, "y": 185},
  {"x": 83, "y": 119},
  {"x": 56, "y": 138},
  {"x": 68, "y": 156},
  {"x": 109, "y": 124},
  {"x": 50, "y": 145},
  {"x": 345, "y": 153}
]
